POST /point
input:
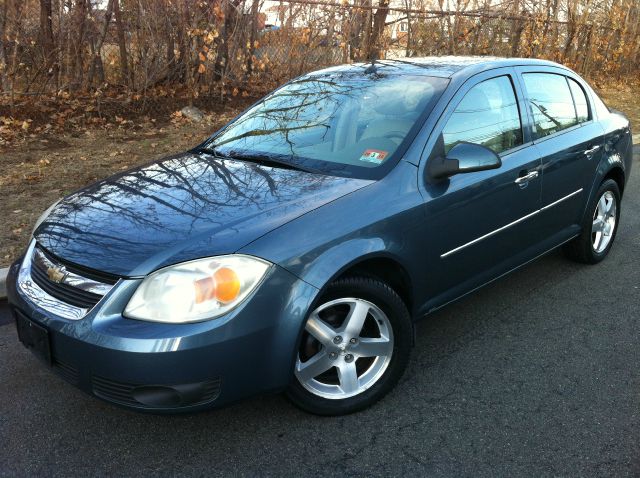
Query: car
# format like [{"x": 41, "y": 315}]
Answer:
[{"x": 294, "y": 249}]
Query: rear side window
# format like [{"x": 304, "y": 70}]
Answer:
[
  {"x": 487, "y": 115},
  {"x": 551, "y": 103},
  {"x": 580, "y": 100}
]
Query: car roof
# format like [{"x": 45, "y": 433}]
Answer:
[{"x": 440, "y": 66}]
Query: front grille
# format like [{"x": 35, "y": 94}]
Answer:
[
  {"x": 68, "y": 372},
  {"x": 91, "y": 274},
  {"x": 125, "y": 393},
  {"x": 67, "y": 292},
  {"x": 70, "y": 295},
  {"x": 114, "y": 391}
]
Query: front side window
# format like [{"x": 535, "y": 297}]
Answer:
[
  {"x": 580, "y": 100},
  {"x": 551, "y": 103},
  {"x": 346, "y": 123},
  {"x": 487, "y": 115}
]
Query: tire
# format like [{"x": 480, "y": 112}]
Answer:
[
  {"x": 336, "y": 346},
  {"x": 589, "y": 247}
]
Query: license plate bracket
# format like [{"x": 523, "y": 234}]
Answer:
[{"x": 34, "y": 337}]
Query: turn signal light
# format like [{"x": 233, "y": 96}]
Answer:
[{"x": 223, "y": 286}]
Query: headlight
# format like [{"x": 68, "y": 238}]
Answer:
[
  {"x": 196, "y": 290},
  {"x": 45, "y": 215}
]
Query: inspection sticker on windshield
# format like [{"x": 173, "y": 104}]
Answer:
[{"x": 373, "y": 156}]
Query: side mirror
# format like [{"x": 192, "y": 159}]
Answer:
[{"x": 464, "y": 158}]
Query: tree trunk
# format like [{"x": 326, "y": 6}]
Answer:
[
  {"x": 96, "y": 64},
  {"x": 517, "y": 26},
  {"x": 4, "y": 63},
  {"x": 47, "y": 42},
  {"x": 222, "y": 59},
  {"x": 12, "y": 56},
  {"x": 377, "y": 33},
  {"x": 255, "y": 7},
  {"x": 125, "y": 77},
  {"x": 171, "y": 44},
  {"x": 76, "y": 69}
]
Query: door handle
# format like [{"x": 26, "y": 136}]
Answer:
[
  {"x": 526, "y": 178},
  {"x": 589, "y": 152}
]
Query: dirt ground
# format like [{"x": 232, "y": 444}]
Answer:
[
  {"x": 627, "y": 100},
  {"x": 36, "y": 172}
]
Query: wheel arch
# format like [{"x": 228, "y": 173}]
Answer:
[
  {"x": 382, "y": 267},
  {"x": 617, "y": 174},
  {"x": 369, "y": 256},
  {"x": 610, "y": 167}
]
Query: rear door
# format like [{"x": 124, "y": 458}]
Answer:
[
  {"x": 481, "y": 223},
  {"x": 569, "y": 142}
]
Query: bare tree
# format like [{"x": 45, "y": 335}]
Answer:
[
  {"x": 201, "y": 51},
  {"x": 122, "y": 44},
  {"x": 379, "y": 18},
  {"x": 48, "y": 47}
]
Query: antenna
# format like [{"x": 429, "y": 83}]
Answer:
[{"x": 371, "y": 69}]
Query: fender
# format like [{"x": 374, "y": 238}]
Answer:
[
  {"x": 334, "y": 261},
  {"x": 607, "y": 163},
  {"x": 384, "y": 223}
]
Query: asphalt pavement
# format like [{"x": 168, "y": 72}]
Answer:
[
  {"x": 5, "y": 316},
  {"x": 537, "y": 374}
]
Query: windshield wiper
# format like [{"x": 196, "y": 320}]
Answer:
[
  {"x": 213, "y": 152},
  {"x": 263, "y": 159}
]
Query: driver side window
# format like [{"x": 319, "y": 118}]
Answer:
[{"x": 487, "y": 115}]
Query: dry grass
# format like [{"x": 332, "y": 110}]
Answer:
[
  {"x": 625, "y": 98},
  {"x": 36, "y": 173}
]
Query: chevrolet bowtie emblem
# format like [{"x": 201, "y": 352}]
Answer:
[{"x": 56, "y": 274}]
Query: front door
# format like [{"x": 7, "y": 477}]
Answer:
[{"x": 481, "y": 223}]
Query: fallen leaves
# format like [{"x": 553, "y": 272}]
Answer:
[{"x": 83, "y": 113}]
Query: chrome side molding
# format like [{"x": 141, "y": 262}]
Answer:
[
  {"x": 561, "y": 199},
  {"x": 453, "y": 251},
  {"x": 531, "y": 214}
]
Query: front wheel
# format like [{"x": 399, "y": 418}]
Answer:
[
  {"x": 599, "y": 227},
  {"x": 354, "y": 349}
]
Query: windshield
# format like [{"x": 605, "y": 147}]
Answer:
[{"x": 342, "y": 123}]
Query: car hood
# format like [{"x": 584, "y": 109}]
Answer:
[{"x": 180, "y": 208}]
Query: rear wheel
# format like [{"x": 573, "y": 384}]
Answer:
[
  {"x": 354, "y": 348},
  {"x": 600, "y": 226}
]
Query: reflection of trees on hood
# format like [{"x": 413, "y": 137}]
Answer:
[{"x": 179, "y": 195}]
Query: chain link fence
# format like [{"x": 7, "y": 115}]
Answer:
[{"x": 103, "y": 58}]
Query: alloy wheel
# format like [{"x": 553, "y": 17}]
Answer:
[
  {"x": 604, "y": 222},
  {"x": 346, "y": 348}
]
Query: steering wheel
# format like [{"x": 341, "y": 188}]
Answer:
[{"x": 396, "y": 136}]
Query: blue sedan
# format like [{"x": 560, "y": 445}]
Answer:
[{"x": 294, "y": 249}]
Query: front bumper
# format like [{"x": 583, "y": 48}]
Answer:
[{"x": 183, "y": 367}]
